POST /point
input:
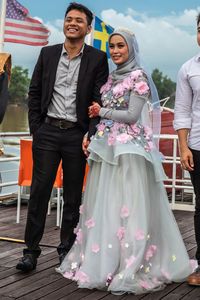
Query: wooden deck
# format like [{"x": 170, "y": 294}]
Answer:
[{"x": 45, "y": 283}]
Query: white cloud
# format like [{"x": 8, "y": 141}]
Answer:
[{"x": 165, "y": 42}]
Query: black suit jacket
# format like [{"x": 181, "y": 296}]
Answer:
[{"x": 93, "y": 74}]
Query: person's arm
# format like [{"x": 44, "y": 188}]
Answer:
[
  {"x": 185, "y": 153},
  {"x": 100, "y": 79},
  {"x": 136, "y": 103},
  {"x": 34, "y": 96},
  {"x": 182, "y": 117},
  {"x": 131, "y": 115}
]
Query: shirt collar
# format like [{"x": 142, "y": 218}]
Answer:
[
  {"x": 80, "y": 53},
  {"x": 197, "y": 57}
]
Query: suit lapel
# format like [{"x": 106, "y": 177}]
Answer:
[
  {"x": 54, "y": 63},
  {"x": 82, "y": 71}
]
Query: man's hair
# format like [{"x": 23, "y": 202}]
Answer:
[
  {"x": 81, "y": 8},
  {"x": 198, "y": 19}
]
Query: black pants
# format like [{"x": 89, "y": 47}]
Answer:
[
  {"x": 195, "y": 178},
  {"x": 50, "y": 145}
]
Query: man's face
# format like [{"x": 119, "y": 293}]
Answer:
[
  {"x": 198, "y": 34},
  {"x": 75, "y": 25}
]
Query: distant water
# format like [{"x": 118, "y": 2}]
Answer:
[{"x": 15, "y": 120}]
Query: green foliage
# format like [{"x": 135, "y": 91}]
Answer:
[
  {"x": 19, "y": 84},
  {"x": 165, "y": 86}
]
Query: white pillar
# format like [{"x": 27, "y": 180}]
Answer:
[{"x": 2, "y": 23}]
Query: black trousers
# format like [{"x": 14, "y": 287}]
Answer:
[
  {"x": 195, "y": 178},
  {"x": 50, "y": 145}
]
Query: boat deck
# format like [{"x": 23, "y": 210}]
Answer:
[{"x": 45, "y": 283}]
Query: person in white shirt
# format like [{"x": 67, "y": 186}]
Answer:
[{"x": 187, "y": 125}]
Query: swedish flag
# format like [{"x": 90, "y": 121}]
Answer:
[{"x": 101, "y": 34}]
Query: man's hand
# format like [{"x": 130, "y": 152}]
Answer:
[
  {"x": 85, "y": 144},
  {"x": 186, "y": 155},
  {"x": 187, "y": 159}
]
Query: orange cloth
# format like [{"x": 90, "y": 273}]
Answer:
[{"x": 5, "y": 60}]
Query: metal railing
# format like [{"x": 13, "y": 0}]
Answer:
[
  {"x": 9, "y": 159},
  {"x": 173, "y": 183}
]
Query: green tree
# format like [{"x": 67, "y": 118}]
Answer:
[
  {"x": 19, "y": 84},
  {"x": 165, "y": 86}
]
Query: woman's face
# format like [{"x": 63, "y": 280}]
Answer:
[{"x": 118, "y": 49}]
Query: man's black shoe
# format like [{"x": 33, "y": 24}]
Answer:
[
  {"x": 27, "y": 263},
  {"x": 62, "y": 257}
]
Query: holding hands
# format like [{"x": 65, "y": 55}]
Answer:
[
  {"x": 94, "y": 110},
  {"x": 85, "y": 144}
]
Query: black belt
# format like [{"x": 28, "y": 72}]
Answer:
[{"x": 62, "y": 124}]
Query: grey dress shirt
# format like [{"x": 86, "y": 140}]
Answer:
[{"x": 63, "y": 102}]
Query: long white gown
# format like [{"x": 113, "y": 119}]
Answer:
[{"x": 127, "y": 237}]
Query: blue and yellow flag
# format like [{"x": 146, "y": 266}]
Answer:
[{"x": 100, "y": 35}]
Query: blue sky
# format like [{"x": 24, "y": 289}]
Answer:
[
  {"x": 52, "y": 9},
  {"x": 165, "y": 30}
]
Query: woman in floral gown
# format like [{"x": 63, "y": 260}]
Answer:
[{"x": 127, "y": 239}]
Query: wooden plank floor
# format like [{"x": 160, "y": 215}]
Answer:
[{"x": 45, "y": 283}]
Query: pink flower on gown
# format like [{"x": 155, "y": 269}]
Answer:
[
  {"x": 135, "y": 129},
  {"x": 106, "y": 87},
  {"x": 81, "y": 209},
  {"x": 118, "y": 90},
  {"x": 79, "y": 237},
  {"x": 101, "y": 127},
  {"x": 128, "y": 83},
  {"x": 151, "y": 145},
  {"x": 90, "y": 223},
  {"x": 145, "y": 285},
  {"x": 150, "y": 252},
  {"x": 147, "y": 130},
  {"x": 111, "y": 139},
  {"x": 121, "y": 233},
  {"x": 139, "y": 235},
  {"x": 95, "y": 248},
  {"x": 129, "y": 261},
  {"x": 141, "y": 87},
  {"x": 136, "y": 74},
  {"x": 81, "y": 276},
  {"x": 165, "y": 274},
  {"x": 124, "y": 212},
  {"x": 68, "y": 275},
  {"x": 76, "y": 228},
  {"x": 193, "y": 264},
  {"x": 123, "y": 138}
]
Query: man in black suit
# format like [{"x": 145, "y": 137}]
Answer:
[{"x": 66, "y": 80}]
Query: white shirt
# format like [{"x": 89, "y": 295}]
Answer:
[{"x": 187, "y": 103}]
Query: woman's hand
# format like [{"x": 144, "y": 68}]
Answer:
[
  {"x": 85, "y": 144},
  {"x": 94, "y": 110}
]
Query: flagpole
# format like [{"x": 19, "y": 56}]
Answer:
[{"x": 2, "y": 23}]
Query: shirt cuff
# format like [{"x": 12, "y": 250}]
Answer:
[
  {"x": 182, "y": 123},
  {"x": 102, "y": 112}
]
